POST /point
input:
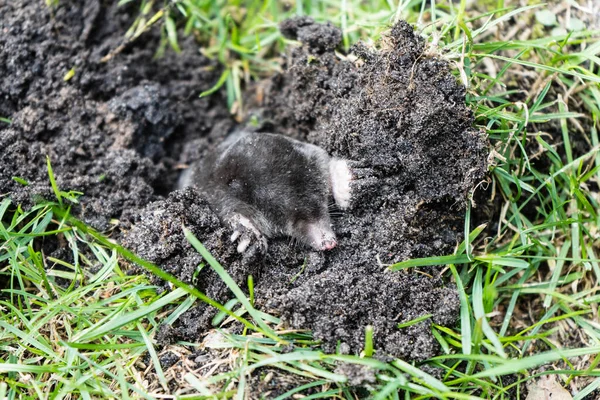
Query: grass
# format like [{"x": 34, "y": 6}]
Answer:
[{"x": 74, "y": 324}]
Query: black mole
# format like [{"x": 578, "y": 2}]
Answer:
[{"x": 265, "y": 185}]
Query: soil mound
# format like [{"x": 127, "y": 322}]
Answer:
[
  {"x": 400, "y": 116},
  {"x": 116, "y": 132}
]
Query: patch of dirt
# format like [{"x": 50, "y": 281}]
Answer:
[
  {"x": 108, "y": 130},
  {"x": 269, "y": 383},
  {"x": 399, "y": 115},
  {"x": 116, "y": 131},
  {"x": 157, "y": 236}
]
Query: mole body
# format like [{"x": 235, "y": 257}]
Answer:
[{"x": 266, "y": 185}]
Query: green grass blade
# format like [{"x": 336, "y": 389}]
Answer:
[{"x": 229, "y": 282}]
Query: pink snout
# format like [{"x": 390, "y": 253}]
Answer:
[
  {"x": 328, "y": 244},
  {"x": 321, "y": 236}
]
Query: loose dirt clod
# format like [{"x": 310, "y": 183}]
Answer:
[{"x": 116, "y": 131}]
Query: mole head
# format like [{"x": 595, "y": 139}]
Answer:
[{"x": 316, "y": 232}]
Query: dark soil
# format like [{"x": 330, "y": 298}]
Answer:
[
  {"x": 399, "y": 115},
  {"x": 109, "y": 130},
  {"x": 116, "y": 131}
]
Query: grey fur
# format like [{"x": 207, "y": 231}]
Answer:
[{"x": 267, "y": 185}]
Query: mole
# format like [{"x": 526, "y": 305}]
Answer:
[{"x": 265, "y": 185}]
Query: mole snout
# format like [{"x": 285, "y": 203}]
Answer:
[
  {"x": 329, "y": 244},
  {"x": 321, "y": 236}
]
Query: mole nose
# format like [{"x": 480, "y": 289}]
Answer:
[{"x": 329, "y": 244}]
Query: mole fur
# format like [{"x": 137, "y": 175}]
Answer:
[{"x": 266, "y": 185}]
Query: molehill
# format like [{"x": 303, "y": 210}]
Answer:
[{"x": 117, "y": 131}]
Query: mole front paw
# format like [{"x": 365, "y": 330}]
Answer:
[
  {"x": 352, "y": 182},
  {"x": 248, "y": 237},
  {"x": 341, "y": 176}
]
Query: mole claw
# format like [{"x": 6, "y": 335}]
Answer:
[
  {"x": 243, "y": 245},
  {"x": 250, "y": 241}
]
